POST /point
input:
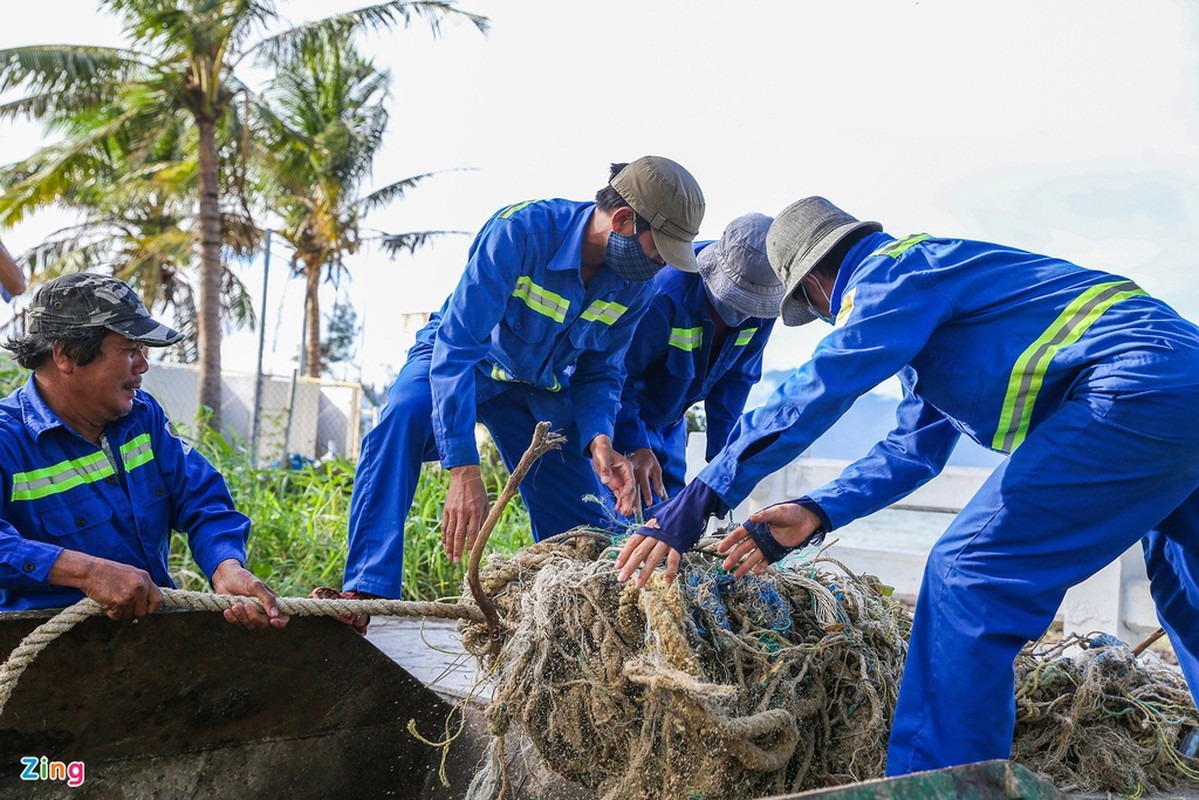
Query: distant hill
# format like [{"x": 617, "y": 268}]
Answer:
[{"x": 868, "y": 420}]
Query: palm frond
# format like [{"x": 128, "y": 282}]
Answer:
[
  {"x": 396, "y": 243},
  {"x": 397, "y": 190},
  {"x": 287, "y": 45}
]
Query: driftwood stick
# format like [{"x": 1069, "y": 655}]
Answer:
[
  {"x": 543, "y": 442},
  {"x": 1150, "y": 639}
]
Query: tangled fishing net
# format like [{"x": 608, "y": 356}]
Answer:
[
  {"x": 716, "y": 687},
  {"x": 1093, "y": 717},
  {"x": 709, "y": 687}
]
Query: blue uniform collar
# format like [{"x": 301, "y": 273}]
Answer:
[
  {"x": 570, "y": 254},
  {"x": 39, "y": 417},
  {"x": 856, "y": 255}
]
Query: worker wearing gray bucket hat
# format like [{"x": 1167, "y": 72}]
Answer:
[
  {"x": 804, "y": 233},
  {"x": 700, "y": 340},
  {"x": 1056, "y": 366}
]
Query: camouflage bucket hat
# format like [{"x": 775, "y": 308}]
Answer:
[{"x": 88, "y": 300}]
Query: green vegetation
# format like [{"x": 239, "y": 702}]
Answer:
[
  {"x": 11, "y": 375},
  {"x": 300, "y": 516},
  {"x": 299, "y": 536}
]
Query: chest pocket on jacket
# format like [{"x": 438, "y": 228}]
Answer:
[{"x": 61, "y": 520}]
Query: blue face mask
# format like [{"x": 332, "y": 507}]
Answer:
[
  {"x": 812, "y": 308},
  {"x": 627, "y": 259},
  {"x": 729, "y": 315}
]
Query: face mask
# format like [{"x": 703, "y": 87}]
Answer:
[
  {"x": 812, "y": 308},
  {"x": 729, "y": 315},
  {"x": 627, "y": 259}
]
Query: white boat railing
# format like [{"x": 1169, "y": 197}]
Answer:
[{"x": 1115, "y": 600}]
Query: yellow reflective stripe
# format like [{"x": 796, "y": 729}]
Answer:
[
  {"x": 686, "y": 338},
  {"x": 1029, "y": 371},
  {"x": 501, "y": 375},
  {"x": 512, "y": 209},
  {"x": 60, "y": 477},
  {"x": 136, "y": 452},
  {"x": 601, "y": 311},
  {"x": 744, "y": 337},
  {"x": 540, "y": 299},
  {"x": 900, "y": 246}
]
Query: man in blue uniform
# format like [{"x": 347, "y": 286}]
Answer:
[
  {"x": 537, "y": 329},
  {"x": 1089, "y": 384},
  {"x": 700, "y": 339},
  {"x": 93, "y": 479}
]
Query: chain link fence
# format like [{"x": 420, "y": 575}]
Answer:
[{"x": 298, "y": 418}]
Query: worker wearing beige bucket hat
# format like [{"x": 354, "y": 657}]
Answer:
[
  {"x": 536, "y": 329},
  {"x": 700, "y": 340},
  {"x": 1087, "y": 382}
]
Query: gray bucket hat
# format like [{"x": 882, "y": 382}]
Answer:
[
  {"x": 738, "y": 273},
  {"x": 669, "y": 198},
  {"x": 802, "y": 234},
  {"x": 87, "y": 300}
]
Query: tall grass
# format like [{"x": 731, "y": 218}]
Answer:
[{"x": 300, "y": 518}]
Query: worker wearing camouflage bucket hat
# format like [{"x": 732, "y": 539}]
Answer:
[
  {"x": 1085, "y": 380},
  {"x": 700, "y": 340},
  {"x": 94, "y": 478}
]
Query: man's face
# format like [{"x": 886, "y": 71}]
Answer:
[{"x": 108, "y": 383}]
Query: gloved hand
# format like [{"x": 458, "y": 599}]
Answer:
[
  {"x": 674, "y": 526},
  {"x": 770, "y": 547},
  {"x": 681, "y": 520},
  {"x": 752, "y": 546}
]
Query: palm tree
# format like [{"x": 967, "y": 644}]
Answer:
[
  {"x": 322, "y": 123},
  {"x": 133, "y": 219},
  {"x": 182, "y": 62}
]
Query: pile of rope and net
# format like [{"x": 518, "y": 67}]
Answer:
[
  {"x": 709, "y": 687},
  {"x": 1092, "y": 716}
]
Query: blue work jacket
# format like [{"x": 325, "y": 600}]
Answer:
[
  {"x": 61, "y": 491},
  {"x": 987, "y": 341},
  {"x": 521, "y": 315},
  {"x": 671, "y": 365}
]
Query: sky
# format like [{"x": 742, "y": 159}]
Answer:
[{"x": 1067, "y": 128}]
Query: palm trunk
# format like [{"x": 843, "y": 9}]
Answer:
[
  {"x": 312, "y": 316},
  {"x": 209, "y": 329}
]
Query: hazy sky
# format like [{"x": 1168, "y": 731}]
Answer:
[{"x": 1069, "y": 128}]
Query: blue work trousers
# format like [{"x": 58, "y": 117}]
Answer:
[
  {"x": 1118, "y": 461},
  {"x": 669, "y": 445},
  {"x": 390, "y": 463}
]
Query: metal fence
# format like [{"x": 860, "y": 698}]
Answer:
[{"x": 299, "y": 417}]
